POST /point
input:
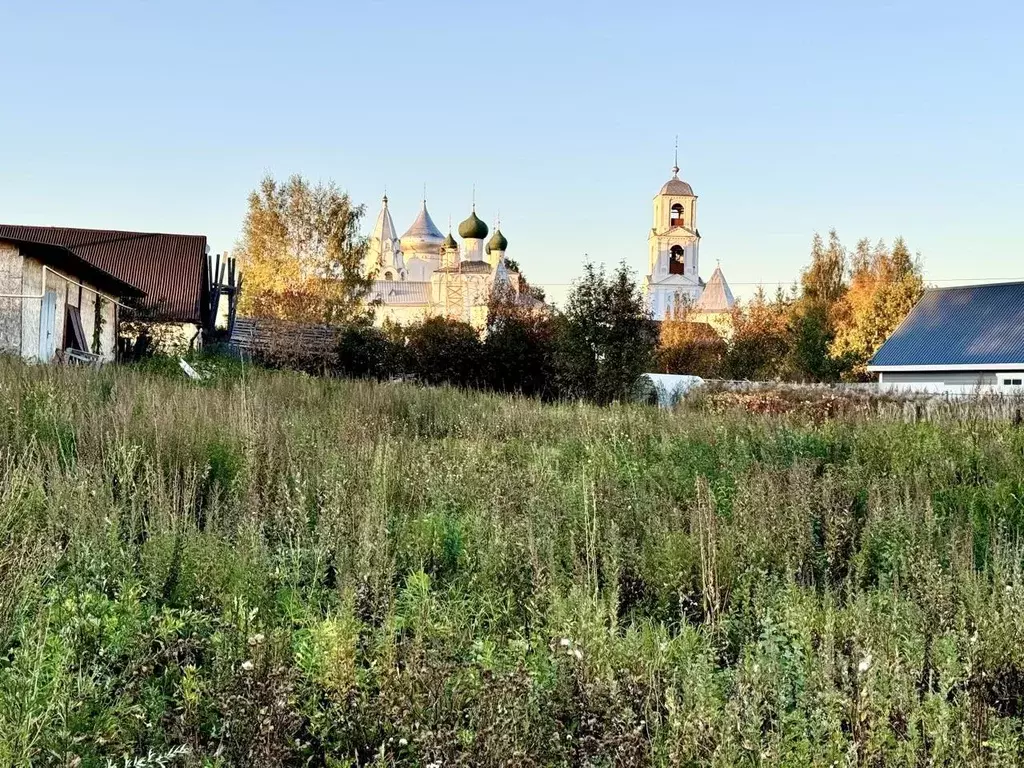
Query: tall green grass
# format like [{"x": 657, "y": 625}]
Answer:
[{"x": 272, "y": 569}]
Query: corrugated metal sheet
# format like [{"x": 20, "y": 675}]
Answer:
[
  {"x": 469, "y": 267},
  {"x": 968, "y": 325},
  {"x": 65, "y": 260},
  {"x": 398, "y": 292},
  {"x": 171, "y": 269}
]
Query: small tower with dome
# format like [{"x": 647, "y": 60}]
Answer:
[
  {"x": 449, "y": 250},
  {"x": 473, "y": 231},
  {"x": 496, "y": 247}
]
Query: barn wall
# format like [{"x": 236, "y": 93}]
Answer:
[
  {"x": 10, "y": 309},
  {"x": 168, "y": 338},
  {"x": 88, "y": 311},
  {"x": 67, "y": 294},
  {"x": 60, "y": 287},
  {"x": 31, "y": 285},
  {"x": 108, "y": 330}
]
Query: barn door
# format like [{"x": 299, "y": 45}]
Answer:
[{"x": 47, "y": 327}]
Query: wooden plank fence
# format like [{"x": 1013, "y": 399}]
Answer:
[{"x": 279, "y": 339}]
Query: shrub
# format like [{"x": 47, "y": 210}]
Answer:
[
  {"x": 443, "y": 351},
  {"x": 519, "y": 350},
  {"x": 693, "y": 349},
  {"x": 605, "y": 338},
  {"x": 365, "y": 352}
]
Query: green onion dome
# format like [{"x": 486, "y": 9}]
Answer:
[
  {"x": 472, "y": 228},
  {"x": 450, "y": 243},
  {"x": 498, "y": 242}
]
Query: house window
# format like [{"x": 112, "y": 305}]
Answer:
[
  {"x": 677, "y": 219},
  {"x": 1012, "y": 382},
  {"x": 677, "y": 260}
]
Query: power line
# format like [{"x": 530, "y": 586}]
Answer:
[{"x": 970, "y": 280}]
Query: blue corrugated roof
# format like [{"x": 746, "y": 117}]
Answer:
[{"x": 967, "y": 325}]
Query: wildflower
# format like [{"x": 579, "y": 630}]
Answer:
[
  {"x": 402, "y": 742},
  {"x": 256, "y": 639},
  {"x": 865, "y": 664},
  {"x": 565, "y": 642},
  {"x": 247, "y": 665},
  {"x": 577, "y": 653}
]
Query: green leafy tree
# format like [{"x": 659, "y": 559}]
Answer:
[
  {"x": 302, "y": 253},
  {"x": 519, "y": 347},
  {"x": 884, "y": 286},
  {"x": 605, "y": 337},
  {"x": 761, "y": 340},
  {"x": 810, "y": 340},
  {"x": 691, "y": 348},
  {"x": 812, "y": 320},
  {"x": 365, "y": 352},
  {"x": 444, "y": 351},
  {"x": 524, "y": 285},
  {"x": 824, "y": 280}
]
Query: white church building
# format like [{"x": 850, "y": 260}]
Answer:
[
  {"x": 673, "y": 284},
  {"x": 424, "y": 273}
]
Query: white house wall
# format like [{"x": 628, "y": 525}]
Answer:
[
  {"x": 399, "y": 314},
  {"x": 940, "y": 382}
]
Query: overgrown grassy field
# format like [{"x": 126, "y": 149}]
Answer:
[{"x": 280, "y": 570}]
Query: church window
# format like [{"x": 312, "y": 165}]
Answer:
[
  {"x": 677, "y": 261},
  {"x": 677, "y": 219},
  {"x": 388, "y": 276}
]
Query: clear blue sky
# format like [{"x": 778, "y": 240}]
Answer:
[{"x": 877, "y": 118}]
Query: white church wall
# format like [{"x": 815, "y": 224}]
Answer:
[{"x": 419, "y": 270}]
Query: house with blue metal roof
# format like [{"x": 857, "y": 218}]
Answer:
[{"x": 963, "y": 340}]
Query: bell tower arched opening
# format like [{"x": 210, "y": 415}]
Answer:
[
  {"x": 676, "y": 216},
  {"x": 676, "y": 260}
]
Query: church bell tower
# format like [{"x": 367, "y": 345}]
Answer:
[{"x": 673, "y": 247}]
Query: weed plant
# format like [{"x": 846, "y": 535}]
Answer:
[{"x": 273, "y": 569}]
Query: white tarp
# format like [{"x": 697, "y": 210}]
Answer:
[{"x": 666, "y": 389}]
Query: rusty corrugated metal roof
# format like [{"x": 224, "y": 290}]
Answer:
[
  {"x": 78, "y": 268},
  {"x": 171, "y": 269}
]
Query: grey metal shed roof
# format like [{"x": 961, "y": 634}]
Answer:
[
  {"x": 400, "y": 292},
  {"x": 979, "y": 325}
]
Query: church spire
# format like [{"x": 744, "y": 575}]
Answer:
[{"x": 675, "y": 166}]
